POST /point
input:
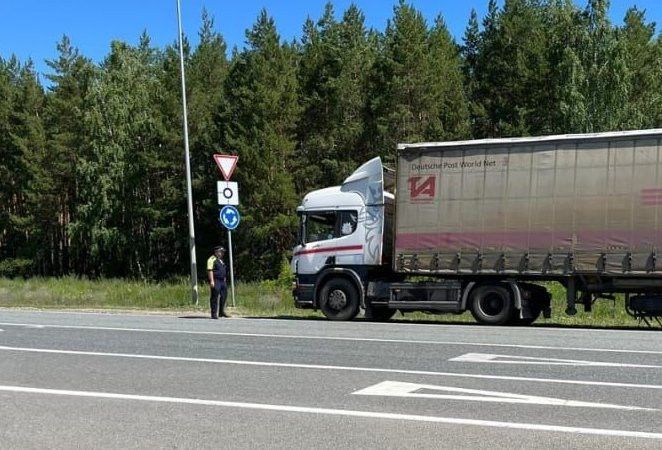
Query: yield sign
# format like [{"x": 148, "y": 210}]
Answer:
[{"x": 226, "y": 163}]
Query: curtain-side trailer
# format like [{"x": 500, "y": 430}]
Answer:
[{"x": 477, "y": 225}]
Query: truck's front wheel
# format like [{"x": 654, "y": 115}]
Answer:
[
  {"x": 339, "y": 299},
  {"x": 492, "y": 305}
]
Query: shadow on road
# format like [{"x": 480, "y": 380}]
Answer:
[
  {"x": 399, "y": 320},
  {"x": 633, "y": 327},
  {"x": 361, "y": 319},
  {"x": 286, "y": 317}
]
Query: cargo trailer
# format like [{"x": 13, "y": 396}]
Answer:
[{"x": 478, "y": 225}]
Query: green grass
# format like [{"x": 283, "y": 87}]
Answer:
[
  {"x": 267, "y": 299},
  {"x": 252, "y": 299},
  {"x": 605, "y": 313},
  {"x": 77, "y": 293}
]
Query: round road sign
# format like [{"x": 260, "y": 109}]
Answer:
[{"x": 229, "y": 217}]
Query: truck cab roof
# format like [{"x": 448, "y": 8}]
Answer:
[
  {"x": 330, "y": 198},
  {"x": 364, "y": 187}
]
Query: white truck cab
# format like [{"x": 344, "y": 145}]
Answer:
[{"x": 341, "y": 234}]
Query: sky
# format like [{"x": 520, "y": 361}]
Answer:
[{"x": 31, "y": 28}]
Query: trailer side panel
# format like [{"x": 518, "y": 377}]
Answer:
[{"x": 544, "y": 208}]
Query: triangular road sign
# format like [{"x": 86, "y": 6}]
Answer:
[{"x": 226, "y": 163}]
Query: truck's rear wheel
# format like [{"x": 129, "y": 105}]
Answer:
[
  {"x": 527, "y": 321},
  {"x": 536, "y": 301},
  {"x": 339, "y": 299},
  {"x": 492, "y": 305}
]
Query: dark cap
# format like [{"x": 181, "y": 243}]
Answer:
[{"x": 219, "y": 248}]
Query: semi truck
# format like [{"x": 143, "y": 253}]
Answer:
[{"x": 484, "y": 226}]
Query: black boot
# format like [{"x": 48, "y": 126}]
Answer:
[
  {"x": 213, "y": 306},
  {"x": 223, "y": 296}
]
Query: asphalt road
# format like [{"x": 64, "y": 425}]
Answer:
[{"x": 75, "y": 380}]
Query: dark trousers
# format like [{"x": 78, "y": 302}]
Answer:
[{"x": 217, "y": 298}]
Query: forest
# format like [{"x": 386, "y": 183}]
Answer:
[{"x": 91, "y": 159}]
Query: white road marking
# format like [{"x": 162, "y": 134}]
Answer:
[
  {"x": 530, "y": 360},
  {"x": 338, "y": 412},
  {"x": 409, "y": 390},
  {"x": 393, "y": 324},
  {"x": 329, "y": 367},
  {"x": 341, "y": 338}
]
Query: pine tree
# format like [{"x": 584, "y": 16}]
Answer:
[
  {"x": 471, "y": 70},
  {"x": 7, "y": 156},
  {"x": 656, "y": 114},
  {"x": 567, "y": 84},
  {"x": 12, "y": 170},
  {"x": 335, "y": 60},
  {"x": 358, "y": 49},
  {"x": 644, "y": 68},
  {"x": 171, "y": 239},
  {"x": 260, "y": 124},
  {"x": 403, "y": 110},
  {"x": 513, "y": 70},
  {"x": 29, "y": 139},
  {"x": 65, "y": 110},
  {"x": 604, "y": 59},
  {"x": 485, "y": 123},
  {"x": 318, "y": 72},
  {"x": 446, "y": 86},
  {"x": 122, "y": 173}
]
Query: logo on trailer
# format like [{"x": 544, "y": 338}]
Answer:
[{"x": 422, "y": 188}]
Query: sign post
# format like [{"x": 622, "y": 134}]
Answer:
[
  {"x": 230, "y": 219},
  {"x": 231, "y": 267},
  {"x": 228, "y": 195}
]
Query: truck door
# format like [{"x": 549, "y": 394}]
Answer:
[{"x": 328, "y": 238}]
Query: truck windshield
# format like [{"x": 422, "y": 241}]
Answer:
[{"x": 324, "y": 225}]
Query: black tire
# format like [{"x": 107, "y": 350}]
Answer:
[
  {"x": 339, "y": 299},
  {"x": 492, "y": 305},
  {"x": 379, "y": 313},
  {"x": 540, "y": 299},
  {"x": 525, "y": 322}
]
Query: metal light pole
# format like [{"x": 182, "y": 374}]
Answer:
[{"x": 189, "y": 193}]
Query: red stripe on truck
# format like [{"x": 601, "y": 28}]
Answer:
[
  {"x": 651, "y": 197},
  {"x": 329, "y": 249}
]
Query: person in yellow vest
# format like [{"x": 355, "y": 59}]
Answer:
[{"x": 217, "y": 273}]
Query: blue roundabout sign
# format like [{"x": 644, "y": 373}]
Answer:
[{"x": 229, "y": 217}]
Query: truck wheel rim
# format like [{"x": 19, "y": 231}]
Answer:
[
  {"x": 337, "y": 300},
  {"x": 492, "y": 304}
]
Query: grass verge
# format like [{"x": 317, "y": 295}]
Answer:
[{"x": 266, "y": 299}]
